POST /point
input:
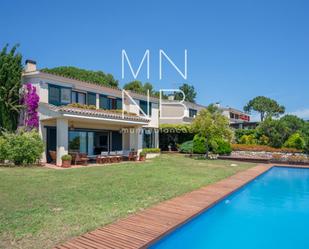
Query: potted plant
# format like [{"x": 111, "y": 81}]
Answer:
[
  {"x": 142, "y": 156},
  {"x": 66, "y": 161}
]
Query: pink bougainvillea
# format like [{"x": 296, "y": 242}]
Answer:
[{"x": 31, "y": 103}]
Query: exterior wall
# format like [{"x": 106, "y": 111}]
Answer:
[
  {"x": 228, "y": 111},
  {"x": 41, "y": 81},
  {"x": 176, "y": 110},
  {"x": 62, "y": 139}
]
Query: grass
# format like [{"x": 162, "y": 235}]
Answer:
[{"x": 42, "y": 207}]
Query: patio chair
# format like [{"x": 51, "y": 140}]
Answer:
[
  {"x": 132, "y": 156},
  {"x": 113, "y": 156},
  {"x": 119, "y": 154},
  {"x": 79, "y": 158},
  {"x": 103, "y": 158},
  {"x": 53, "y": 156}
]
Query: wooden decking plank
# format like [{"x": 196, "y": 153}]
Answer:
[
  {"x": 107, "y": 239},
  {"x": 138, "y": 237},
  {"x": 77, "y": 242},
  {"x": 139, "y": 233},
  {"x": 123, "y": 236},
  {"x": 92, "y": 244}
]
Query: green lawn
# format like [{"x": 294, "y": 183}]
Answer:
[{"x": 42, "y": 207}]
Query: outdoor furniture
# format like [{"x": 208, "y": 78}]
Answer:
[
  {"x": 119, "y": 154},
  {"x": 113, "y": 157},
  {"x": 103, "y": 158},
  {"x": 79, "y": 158},
  {"x": 132, "y": 156},
  {"x": 53, "y": 155}
]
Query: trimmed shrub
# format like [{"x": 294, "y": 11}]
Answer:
[
  {"x": 264, "y": 140},
  {"x": 23, "y": 147},
  {"x": 152, "y": 150},
  {"x": 199, "y": 144},
  {"x": 186, "y": 147},
  {"x": 248, "y": 139},
  {"x": 66, "y": 158},
  {"x": 249, "y": 147},
  {"x": 240, "y": 132},
  {"x": 222, "y": 147},
  {"x": 3, "y": 149},
  {"x": 142, "y": 153},
  {"x": 295, "y": 141}
]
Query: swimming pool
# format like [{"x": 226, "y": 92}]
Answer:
[{"x": 270, "y": 212}]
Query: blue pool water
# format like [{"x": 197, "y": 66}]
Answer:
[{"x": 270, "y": 212}]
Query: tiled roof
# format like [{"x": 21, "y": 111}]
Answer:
[
  {"x": 98, "y": 113},
  {"x": 98, "y": 84}
]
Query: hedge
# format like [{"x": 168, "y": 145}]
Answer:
[
  {"x": 255, "y": 147},
  {"x": 151, "y": 150}
]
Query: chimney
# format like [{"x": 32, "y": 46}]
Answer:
[{"x": 30, "y": 66}]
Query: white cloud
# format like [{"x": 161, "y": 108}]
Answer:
[{"x": 302, "y": 113}]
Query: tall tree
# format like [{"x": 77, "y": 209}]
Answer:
[
  {"x": 10, "y": 85},
  {"x": 139, "y": 87},
  {"x": 148, "y": 86},
  {"x": 211, "y": 124},
  {"x": 265, "y": 106},
  {"x": 135, "y": 85},
  {"x": 98, "y": 77},
  {"x": 189, "y": 91}
]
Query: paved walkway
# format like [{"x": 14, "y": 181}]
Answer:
[{"x": 142, "y": 229}]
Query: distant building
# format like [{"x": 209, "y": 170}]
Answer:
[
  {"x": 236, "y": 117},
  {"x": 171, "y": 112}
]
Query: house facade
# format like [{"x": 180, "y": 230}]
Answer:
[
  {"x": 174, "y": 113},
  {"x": 88, "y": 118}
]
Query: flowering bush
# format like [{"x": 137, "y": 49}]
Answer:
[{"x": 31, "y": 103}]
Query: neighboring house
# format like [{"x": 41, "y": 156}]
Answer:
[
  {"x": 65, "y": 128},
  {"x": 172, "y": 112},
  {"x": 235, "y": 116},
  {"x": 238, "y": 119}
]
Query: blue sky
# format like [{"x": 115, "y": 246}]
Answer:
[{"x": 236, "y": 49}]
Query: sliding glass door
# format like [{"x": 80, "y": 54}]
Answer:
[
  {"x": 78, "y": 141},
  {"x": 94, "y": 142},
  {"x": 101, "y": 142}
]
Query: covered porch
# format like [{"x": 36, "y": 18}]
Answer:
[{"x": 74, "y": 131}]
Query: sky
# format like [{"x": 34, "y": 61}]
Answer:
[{"x": 236, "y": 50}]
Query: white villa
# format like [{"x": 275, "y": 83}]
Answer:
[{"x": 103, "y": 128}]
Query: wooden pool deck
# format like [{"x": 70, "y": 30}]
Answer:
[{"x": 144, "y": 228}]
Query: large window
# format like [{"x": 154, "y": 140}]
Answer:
[
  {"x": 104, "y": 102},
  {"x": 78, "y": 141},
  {"x": 91, "y": 99},
  {"x": 192, "y": 113},
  {"x": 54, "y": 95},
  {"x": 58, "y": 95},
  {"x": 116, "y": 141},
  {"x": 149, "y": 138},
  {"x": 143, "y": 106},
  {"x": 94, "y": 142},
  {"x": 109, "y": 103},
  {"x": 79, "y": 97},
  {"x": 65, "y": 96}
]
